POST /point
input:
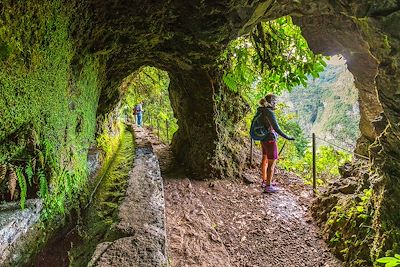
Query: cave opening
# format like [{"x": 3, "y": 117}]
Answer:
[
  {"x": 328, "y": 107},
  {"x": 316, "y": 94},
  {"x": 149, "y": 86}
]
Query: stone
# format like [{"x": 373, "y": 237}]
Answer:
[
  {"x": 346, "y": 170},
  {"x": 14, "y": 227},
  {"x": 349, "y": 187},
  {"x": 141, "y": 217}
]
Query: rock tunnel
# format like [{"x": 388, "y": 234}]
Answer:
[{"x": 105, "y": 41}]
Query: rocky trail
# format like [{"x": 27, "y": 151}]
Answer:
[{"x": 232, "y": 223}]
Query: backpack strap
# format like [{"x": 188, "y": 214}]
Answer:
[{"x": 270, "y": 124}]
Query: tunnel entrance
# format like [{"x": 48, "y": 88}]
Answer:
[
  {"x": 328, "y": 105},
  {"x": 149, "y": 86},
  {"x": 316, "y": 94}
]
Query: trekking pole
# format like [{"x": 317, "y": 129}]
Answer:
[
  {"x": 166, "y": 124},
  {"x": 283, "y": 146},
  {"x": 251, "y": 151}
]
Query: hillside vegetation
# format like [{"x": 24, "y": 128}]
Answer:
[{"x": 328, "y": 106}]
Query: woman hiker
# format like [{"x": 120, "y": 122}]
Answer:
[
  {"x": 269, "y": 146},
  {"x": 138, "y": 111}
]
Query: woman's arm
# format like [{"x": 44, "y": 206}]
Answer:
[{"x": 274, "y": 123}]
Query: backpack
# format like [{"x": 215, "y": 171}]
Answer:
[{"x": 257, "y": 130}]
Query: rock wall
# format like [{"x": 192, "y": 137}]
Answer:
[
  {"x": 370, "y": 46},
  {"x": 191, "y": 93}
]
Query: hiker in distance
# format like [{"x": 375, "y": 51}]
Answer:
[
  {"x": 138, "y": 111},
  {"x": 265, "y": 128}
]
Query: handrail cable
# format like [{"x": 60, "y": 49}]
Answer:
[{"x": 344, "y": 149}]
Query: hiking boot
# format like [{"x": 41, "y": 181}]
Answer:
[
  {"x": 263, "y": 184},
  {"x": 271, "y": 189}
]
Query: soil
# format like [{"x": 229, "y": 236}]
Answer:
[{"x": 232, "y": 223}]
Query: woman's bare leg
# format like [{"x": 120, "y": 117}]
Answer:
[
  {"x": 270, "y": 170},
  {"x": 264, "y": 167}
]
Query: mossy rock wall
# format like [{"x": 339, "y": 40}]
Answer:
[
  {"x": 211, "y": 124},
  {"x": 50, "y": 92},
  {"x": 49, "y": 98}
]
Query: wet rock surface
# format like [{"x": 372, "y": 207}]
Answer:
[
  {"x": 141, "y": 217},
  {"x": 15, "y": 223}
]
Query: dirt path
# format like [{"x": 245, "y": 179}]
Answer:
[{"x": 231, "y": 223}]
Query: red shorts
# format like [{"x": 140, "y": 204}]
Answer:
[{"x": 270, "y": 149}]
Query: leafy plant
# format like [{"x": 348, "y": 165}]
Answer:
[
  {"x": 42, "y": 185},
  {"x": 327, "y": 162},
  {"x": 390, "y": 261},
  {"x": 23, "y": 186},
  {"x": 273, "y": 58},
  {"x": 29, "y": 172}
]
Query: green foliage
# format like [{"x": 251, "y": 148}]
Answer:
[
  {"x": 358, "y": 209},
  {"x": 327, "y": 162},
  {"x": 49, "y": 101},
  {"x": 275, "y": 57},
  {"x": 23, "y": 186},
  {"x": 29, "y": 173},
  {"x": 354, "y": 215},
  {"x": 390, "y": 261},
  {"x": 43, "y": 187}
]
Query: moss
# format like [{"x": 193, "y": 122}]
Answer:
[
  {"x": 103, "y": 212},
  {"x": 48, "y": 110},
  {"x": 349, "y": 228},
  {"x": 48, "y": 106}
]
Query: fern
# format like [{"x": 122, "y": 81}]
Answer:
[
  {"x": 230, "y": 82},
  {"x": 42, "y": 185},
  {"x": 29, "y": 173},
  {"x": 22, "y": 186}
]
